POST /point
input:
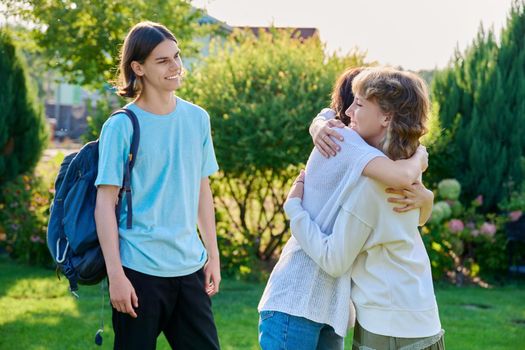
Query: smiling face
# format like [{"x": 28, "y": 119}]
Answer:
[
  {"x": 368, "y": 120},
  {"x": 162, "y": 69}
]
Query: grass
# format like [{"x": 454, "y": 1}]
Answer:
[{"x": 37, "y": 312}]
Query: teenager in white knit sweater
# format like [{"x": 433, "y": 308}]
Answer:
[
  {"x": 381, "y": 250},
  {"x": 303, "y": 307}
]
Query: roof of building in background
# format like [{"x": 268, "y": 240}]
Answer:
[
  {"x": 207, "y": 19},
  {"x": 301, "y": 33}
]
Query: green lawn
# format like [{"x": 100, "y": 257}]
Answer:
[{"x": 37, "y": 312}]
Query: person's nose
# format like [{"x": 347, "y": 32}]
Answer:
[
  {"x": 349, "y": 111},
  {"x": 175, "y": 64}
]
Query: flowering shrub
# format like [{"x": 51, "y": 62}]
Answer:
[
  {"x": 456, "y": 226},
  {"x": 449, "y": 189},
  {"x": 24, "y": 212},
  {"x": 463, "y": 243},
  {"x": 515, "y": 215},
  {"x": 440, "y": 212}
]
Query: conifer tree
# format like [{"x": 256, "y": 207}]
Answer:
[
  {"x": 481, "y": 99},
  {"x": 23, "y": 132}
]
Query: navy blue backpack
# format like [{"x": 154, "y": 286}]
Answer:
[{"x": 71, "y": 233}]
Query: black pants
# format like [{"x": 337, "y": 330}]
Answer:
[{"x": 177, "y": 306}]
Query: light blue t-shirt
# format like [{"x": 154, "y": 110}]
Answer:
[{"x": 175, "y": 153}]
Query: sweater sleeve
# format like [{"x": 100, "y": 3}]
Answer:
[
  {"x": 334, "y": 253},
  {"x": 325, "y": 114}
]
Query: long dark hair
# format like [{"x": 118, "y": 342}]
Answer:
[
  {"x": 342, "y": 95},
  {"x": 139, "y": 42}
]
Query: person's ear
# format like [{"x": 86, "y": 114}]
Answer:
[
  {"x": 137, "y": 68},
  {"x": 385, "y": 120}
]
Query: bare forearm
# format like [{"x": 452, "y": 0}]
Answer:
[
  {"x": 401, "y": 173},
  {"x": 426, "y": 209},
  {"x": 107, "y": 231},
  {"x": 397, "y": 174},
  {"x": 410, "y": 168},
  {"x": 406, "y": 170},
  {"x": 206, "y": 221}
]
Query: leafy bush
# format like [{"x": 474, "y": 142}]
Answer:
[
  {"x": 251, "y": 225},
  {"x": 261, "y": 94}
]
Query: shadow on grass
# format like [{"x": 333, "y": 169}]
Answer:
[
  {"x": 39, "y": 313},
  {"x": 52, "y": 331},
  {"x": 11, "y": 272}
]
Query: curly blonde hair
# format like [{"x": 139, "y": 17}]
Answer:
[{"x": 404, "y": 97}]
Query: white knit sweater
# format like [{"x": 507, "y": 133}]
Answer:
[{"x": 297, "y": 285}]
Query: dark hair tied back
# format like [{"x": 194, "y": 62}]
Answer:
[{"x": 138, "y": 45}]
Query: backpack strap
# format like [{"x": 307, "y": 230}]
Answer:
[{"x": 128, "y": 166}]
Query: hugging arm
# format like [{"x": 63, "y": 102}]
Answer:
[
  {"x": 428, "y": 204},
  {"x": 335, "y": 253},
  {"x": 413, "y": 197},
  {"x": 323, "y": 132},
  {"x": 400, "y": 173}
]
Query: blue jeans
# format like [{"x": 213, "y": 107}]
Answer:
[{"x": 280, "y": 331}]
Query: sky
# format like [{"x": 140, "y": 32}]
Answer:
[{"x": 414, "y": 34}]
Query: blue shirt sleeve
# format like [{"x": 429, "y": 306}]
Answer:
[
  {"x": 209, "y": 162},
  {"x": 113, "y": 149}
]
